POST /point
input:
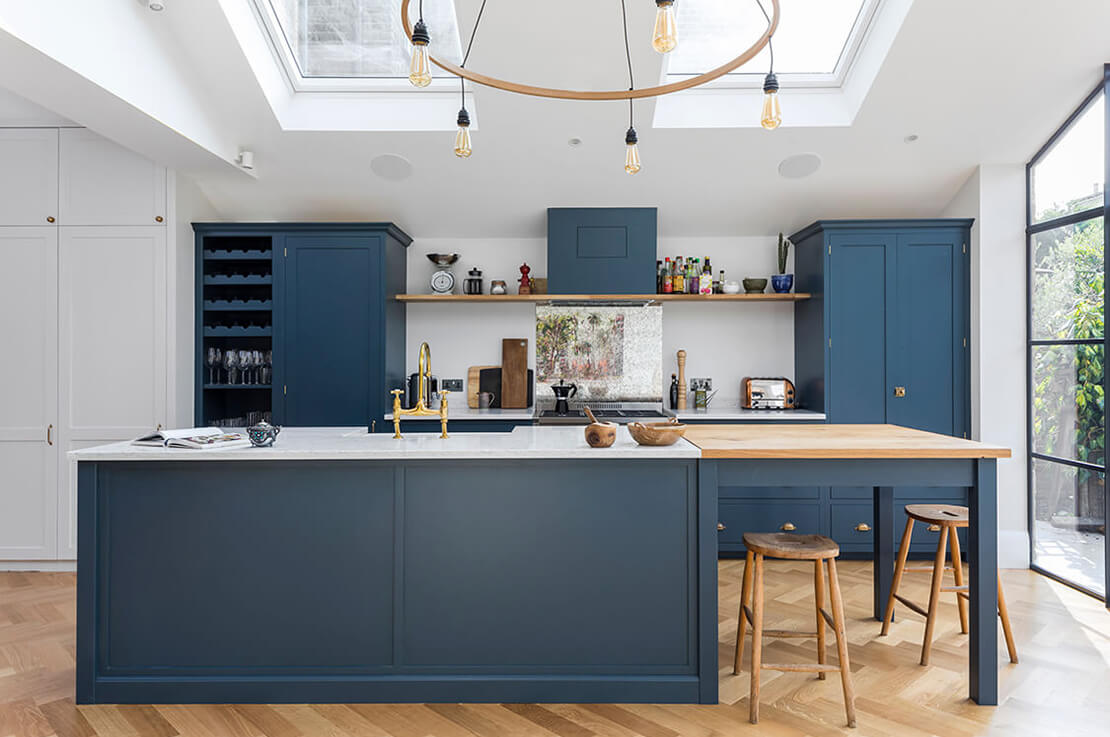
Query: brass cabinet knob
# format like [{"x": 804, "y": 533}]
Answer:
[
  {"x": 899, "y": 391},
  {"x": 788, "y": 527},
  {"x": 720, "y": 527},
  {"x": 49, "y": 218},
  {"x": 934, "y": 528},
  {"x": 158, "y": 218},
  {"x": 863, "y": 527}
]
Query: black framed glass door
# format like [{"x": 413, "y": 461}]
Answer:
[{"x": 1067, "y": 247}]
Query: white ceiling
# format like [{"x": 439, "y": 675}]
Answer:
[{"x": 980, "y": 82}]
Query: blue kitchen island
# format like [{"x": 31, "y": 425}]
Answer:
[{"x": 343, "y": 566}]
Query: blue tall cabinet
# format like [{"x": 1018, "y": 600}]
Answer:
[
  {"x": 884, "y": 340},
  {"x": 320, "y": 298}
]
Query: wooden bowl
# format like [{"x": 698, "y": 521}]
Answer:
[{"x": 656, "y": 433}]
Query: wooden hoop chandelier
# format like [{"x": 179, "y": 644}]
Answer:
[{"x": 628, "y": 94}]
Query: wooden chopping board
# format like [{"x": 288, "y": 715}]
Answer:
[
  {"x": 473, "y": 384},
  {"x": 514, "y": 373}
]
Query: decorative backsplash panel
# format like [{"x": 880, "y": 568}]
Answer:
[{"x": 612, "y": 352}]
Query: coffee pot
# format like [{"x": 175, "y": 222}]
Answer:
[{"x": 563, "y": 392}]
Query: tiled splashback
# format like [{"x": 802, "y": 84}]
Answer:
[{"x": 610, "y": 352}]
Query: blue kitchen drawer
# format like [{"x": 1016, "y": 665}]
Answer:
[{"x": 750, "y": 516}]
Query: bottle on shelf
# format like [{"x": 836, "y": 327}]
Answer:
[
  {"x": 668, "y": 276},
  {"x": 719, "y": 285},
  {"x": 658, "y": 276},
  {"x": 679, "y": 282},
  {"x": 706, "y": 277},
  {"x": 692, "y": 275}
]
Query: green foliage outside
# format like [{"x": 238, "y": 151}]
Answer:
[{"x": 1068, "y": 400}]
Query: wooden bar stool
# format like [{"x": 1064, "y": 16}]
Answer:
[
  {"x": 792, "y": 547},
  {"x": 948, "y": 518}
]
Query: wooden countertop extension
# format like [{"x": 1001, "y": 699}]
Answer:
[{"x": 833, "y": 441}]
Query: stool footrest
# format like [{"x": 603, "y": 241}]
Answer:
[
  {"x": 802, "y": 667},
  {"x": 955, "y": 589},
  {"x": 911, "y": 605},
  {"x": 787, "y": 633},
  {"x": 924, "y": 569}
]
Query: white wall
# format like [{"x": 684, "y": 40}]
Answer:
[
  {"x": 995, "y": 196},
  {"x": 723, "y": 341},
  {"x": 189, "y": 205}
]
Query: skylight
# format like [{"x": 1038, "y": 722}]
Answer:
[
  {"x": 815, "y": 37},
  {"x": 354, "y": 38}
]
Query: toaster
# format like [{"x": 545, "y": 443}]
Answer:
[{"x": 767, "y": 393}]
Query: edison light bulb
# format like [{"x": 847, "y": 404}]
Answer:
[
  {"x": 462, "y": 138},
  {"x": 632, "y": 153},
  {"x": 420, "y": 71},
  {"x": 665, "y": 36},
  {"x": 772, "y": 113}
]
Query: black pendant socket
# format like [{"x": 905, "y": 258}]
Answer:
[
  {"x": 771, "y": 83},
  {"x": 420, "y": 35},
  {"x": 630, "y": 137},
  {"x": 464, "y": 118}
]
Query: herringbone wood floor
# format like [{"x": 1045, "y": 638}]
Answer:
[{"x": 1061, "y": 687}]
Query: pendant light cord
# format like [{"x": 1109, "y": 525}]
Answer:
[
  {"x": 770, "y": 45},
  {"x": 469, "y": 46},
  {"x": 628, "y": 58}
]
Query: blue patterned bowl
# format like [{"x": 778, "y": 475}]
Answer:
[{"x": 782, "y": 283}]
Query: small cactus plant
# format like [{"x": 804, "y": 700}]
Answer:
[{"x": 784, "y": 249}]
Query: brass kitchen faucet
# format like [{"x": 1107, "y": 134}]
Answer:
[{"x": 424, "y": 370}]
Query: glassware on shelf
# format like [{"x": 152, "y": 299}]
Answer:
[
  {"x": 231, "y": 366},
  {"x": 213, "y": 359}
]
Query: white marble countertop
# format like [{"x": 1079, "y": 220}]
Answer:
[
  {"x": 344, "y": 443},
  {"x": 726, "y": 410},
  {"x": 457, "y": 410}
]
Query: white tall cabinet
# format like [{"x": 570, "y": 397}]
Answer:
[{"x": 84, "y": 279}]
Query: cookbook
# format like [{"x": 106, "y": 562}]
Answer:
[{"x": 196, "y": 438}]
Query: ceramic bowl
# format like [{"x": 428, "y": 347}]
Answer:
[
  {"x": 656, "y": 433},
  {"x": 730, "y": 287},
  {"x": 754, "y": 286},
  {"x": 782, "y": 283}
]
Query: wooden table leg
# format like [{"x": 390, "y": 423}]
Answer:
[
  {"x": 883, "y": 552},
  {"x": 982, "y": 553}
]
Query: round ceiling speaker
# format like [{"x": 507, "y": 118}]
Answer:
[
  {"x": 391, "y": 167},
  {"x": 799, "y": 166}
]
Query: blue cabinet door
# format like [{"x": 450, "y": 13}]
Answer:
[
  {"x": 927, "y": 356},
  {"x": 860, "y": 314},
  {"x": 328, "y": 342},
  {"x": 602, "y": 250}
]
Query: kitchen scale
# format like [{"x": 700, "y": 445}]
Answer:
[{"x": 443, "y": 280}]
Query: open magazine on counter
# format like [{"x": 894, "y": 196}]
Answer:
[{"x": 196, "y": 438}]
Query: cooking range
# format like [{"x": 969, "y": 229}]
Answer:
[{"x": 619, "y": 412}]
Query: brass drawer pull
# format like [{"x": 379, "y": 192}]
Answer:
[
  {"x": 934, "y": 528},
  {"x": 720, "y": 527},
  {"x": 788, "y": 527},
  {"x": 863, "y": 527},
  {"x": 49, "y": 429}
]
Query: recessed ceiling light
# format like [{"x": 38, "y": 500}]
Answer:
[
  {"x": 156, "y": 5},
  {"x": 910, "y": 138},
  {"x": 391, "y": 167},
  {"x": 799, "y": 165},
  {"x": 575, "y": 142}
]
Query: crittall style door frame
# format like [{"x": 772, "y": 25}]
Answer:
[{"x": 1033, "y": 229}]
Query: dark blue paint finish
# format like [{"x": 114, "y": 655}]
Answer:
[
  {"x": 330, "y": 303},
  {"x": 338, "y": 332},
  {"x": 601, "y": 250},
  {"x": 575, "y": 600},
  {"x": 982, "y": 554},
  {"x": 378, "y": 581},
  {"x": 890, "y": 309},
  {"x": 238, "y": 569}
]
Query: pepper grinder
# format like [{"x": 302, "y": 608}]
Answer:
[{"x": 682, "y": 379}]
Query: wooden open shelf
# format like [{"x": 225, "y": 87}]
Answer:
[{"x": 454, "y": 298}]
